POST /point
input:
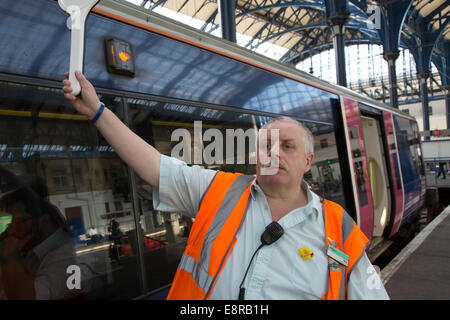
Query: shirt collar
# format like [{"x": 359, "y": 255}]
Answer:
[
  {"x": 255, "y": 188},
  {"x": 298, "y": 215}
]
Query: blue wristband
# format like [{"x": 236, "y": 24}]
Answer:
[{"x": 99, "y": 113}]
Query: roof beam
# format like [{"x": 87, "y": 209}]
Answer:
[
  {"x": 428, "y": 40},
  {"x": 367, "y": 32},
  {"x": 312, "y": 6},
  {"x": 264, "y": 27}
]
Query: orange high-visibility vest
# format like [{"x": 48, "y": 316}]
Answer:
[
  {"x": 342, "y": 232},
  {"x": 213, "y": 236}
]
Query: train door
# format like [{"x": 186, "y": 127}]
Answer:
[
  {"x": 75, "y": 222},
  {"x": 378, "y": 177},
  {"x": 397, "y": 182},
  {"x": 356, "y": 147}
]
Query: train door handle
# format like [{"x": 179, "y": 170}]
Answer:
[{"x": 78, "y": 11}]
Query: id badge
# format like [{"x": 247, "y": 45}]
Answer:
[{"x": 337, "y": 255}]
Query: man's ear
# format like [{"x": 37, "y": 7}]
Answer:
[{"x": 309, "y": 160}]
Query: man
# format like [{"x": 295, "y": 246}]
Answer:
[
  {"x": 36, "y": 249},
  {"x": 93, "y": 234},
  {"x": 441, "y": 169},
  {"x": 231, "y": 212}
]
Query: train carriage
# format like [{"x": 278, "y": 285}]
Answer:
[{"x": 367, "y": 155}]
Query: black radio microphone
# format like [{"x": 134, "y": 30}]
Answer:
[{"x": 272, "y": 233}]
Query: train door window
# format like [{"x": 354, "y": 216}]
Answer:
[
  {"x": 417, "y": 149},
  {"x": 408, "y": 163},
  {"x": 406, "y": 150},
  {"x": 52, "y": 150},
  {"x": 358, "y": 163},
  {"x": 378, "y": 180},
  {"x": 394, "y": 151}
]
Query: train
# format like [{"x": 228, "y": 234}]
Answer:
[{"x": 158, "y": 75}]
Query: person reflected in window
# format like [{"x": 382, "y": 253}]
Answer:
[
  {"x": 115, "y": 238},
  {"x": 94, "y": 234},
  {"x": 36, "y": 248}
]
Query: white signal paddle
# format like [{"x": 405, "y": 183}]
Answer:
[{"x": 78, "y": 10}]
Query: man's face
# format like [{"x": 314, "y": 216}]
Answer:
[
  {"x": 290, "y": 151},
  {"x": 22, "y": 222}
]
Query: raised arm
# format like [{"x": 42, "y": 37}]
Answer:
[{"x": 137, "y": 153}]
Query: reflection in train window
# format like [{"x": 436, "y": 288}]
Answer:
[
  {"x": 359, "y": 168},
  {"x": 51, "y": 177},
  {"x": 156, "y": 123},
  {"x": 409, "y": 159},
  {"x": 59, "y": 167},
  {"x": 325, "y": 176},
  {"x": 416, "y": 148},
  {"x": 394, "y": 151}
]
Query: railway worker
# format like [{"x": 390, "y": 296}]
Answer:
[
  {"x": 232, "y": 211},
  {"x": 441, "y": 169}
]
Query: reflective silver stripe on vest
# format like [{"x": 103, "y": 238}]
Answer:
[
  {"x": 200, "y": 271},
  {"x": 226, "y": 207},
  {"x": 347, "y": 226},
  {"x": 201, "y": 277},
  {"x": 356, "y": 262},
  {"x": 346, "y": 229},
  {"x": 342, "y": 286}
]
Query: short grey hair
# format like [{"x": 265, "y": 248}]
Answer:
[{"x": 308, "y": 139}]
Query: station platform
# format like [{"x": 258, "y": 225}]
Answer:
[
  {"x": 432, "y": 180},
  {"x": 421, "y": 271}
]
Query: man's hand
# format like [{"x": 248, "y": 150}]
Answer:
[
  {"x": 88, "y": 104},
  {"x": 138, "y": 154}
]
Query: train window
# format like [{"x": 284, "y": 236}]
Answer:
[
  {"x": 156, "y": 122},
  {"x": 52, "y": 161},
  {"x": 407, "y": 150},
  {"x": 417, "y": 150},
  {"x": 47, "y": 146},
  {"x": 394, "y": 151},
  {"x": 325, "y": 176},
  {"x": 359, "y": 169}
]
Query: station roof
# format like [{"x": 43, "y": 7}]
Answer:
[{"x": 300, "y": 26}]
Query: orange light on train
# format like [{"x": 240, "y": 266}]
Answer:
[
  {"x": 119, "y": 57},
  {"x": 124, "y": 56}
]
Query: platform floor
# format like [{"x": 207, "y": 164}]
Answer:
[
  {"x": 422, "y": 269},
  {"x": 433, "y": 181}
]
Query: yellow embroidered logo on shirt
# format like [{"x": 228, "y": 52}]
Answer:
[{"x": 305, "y": 253}]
